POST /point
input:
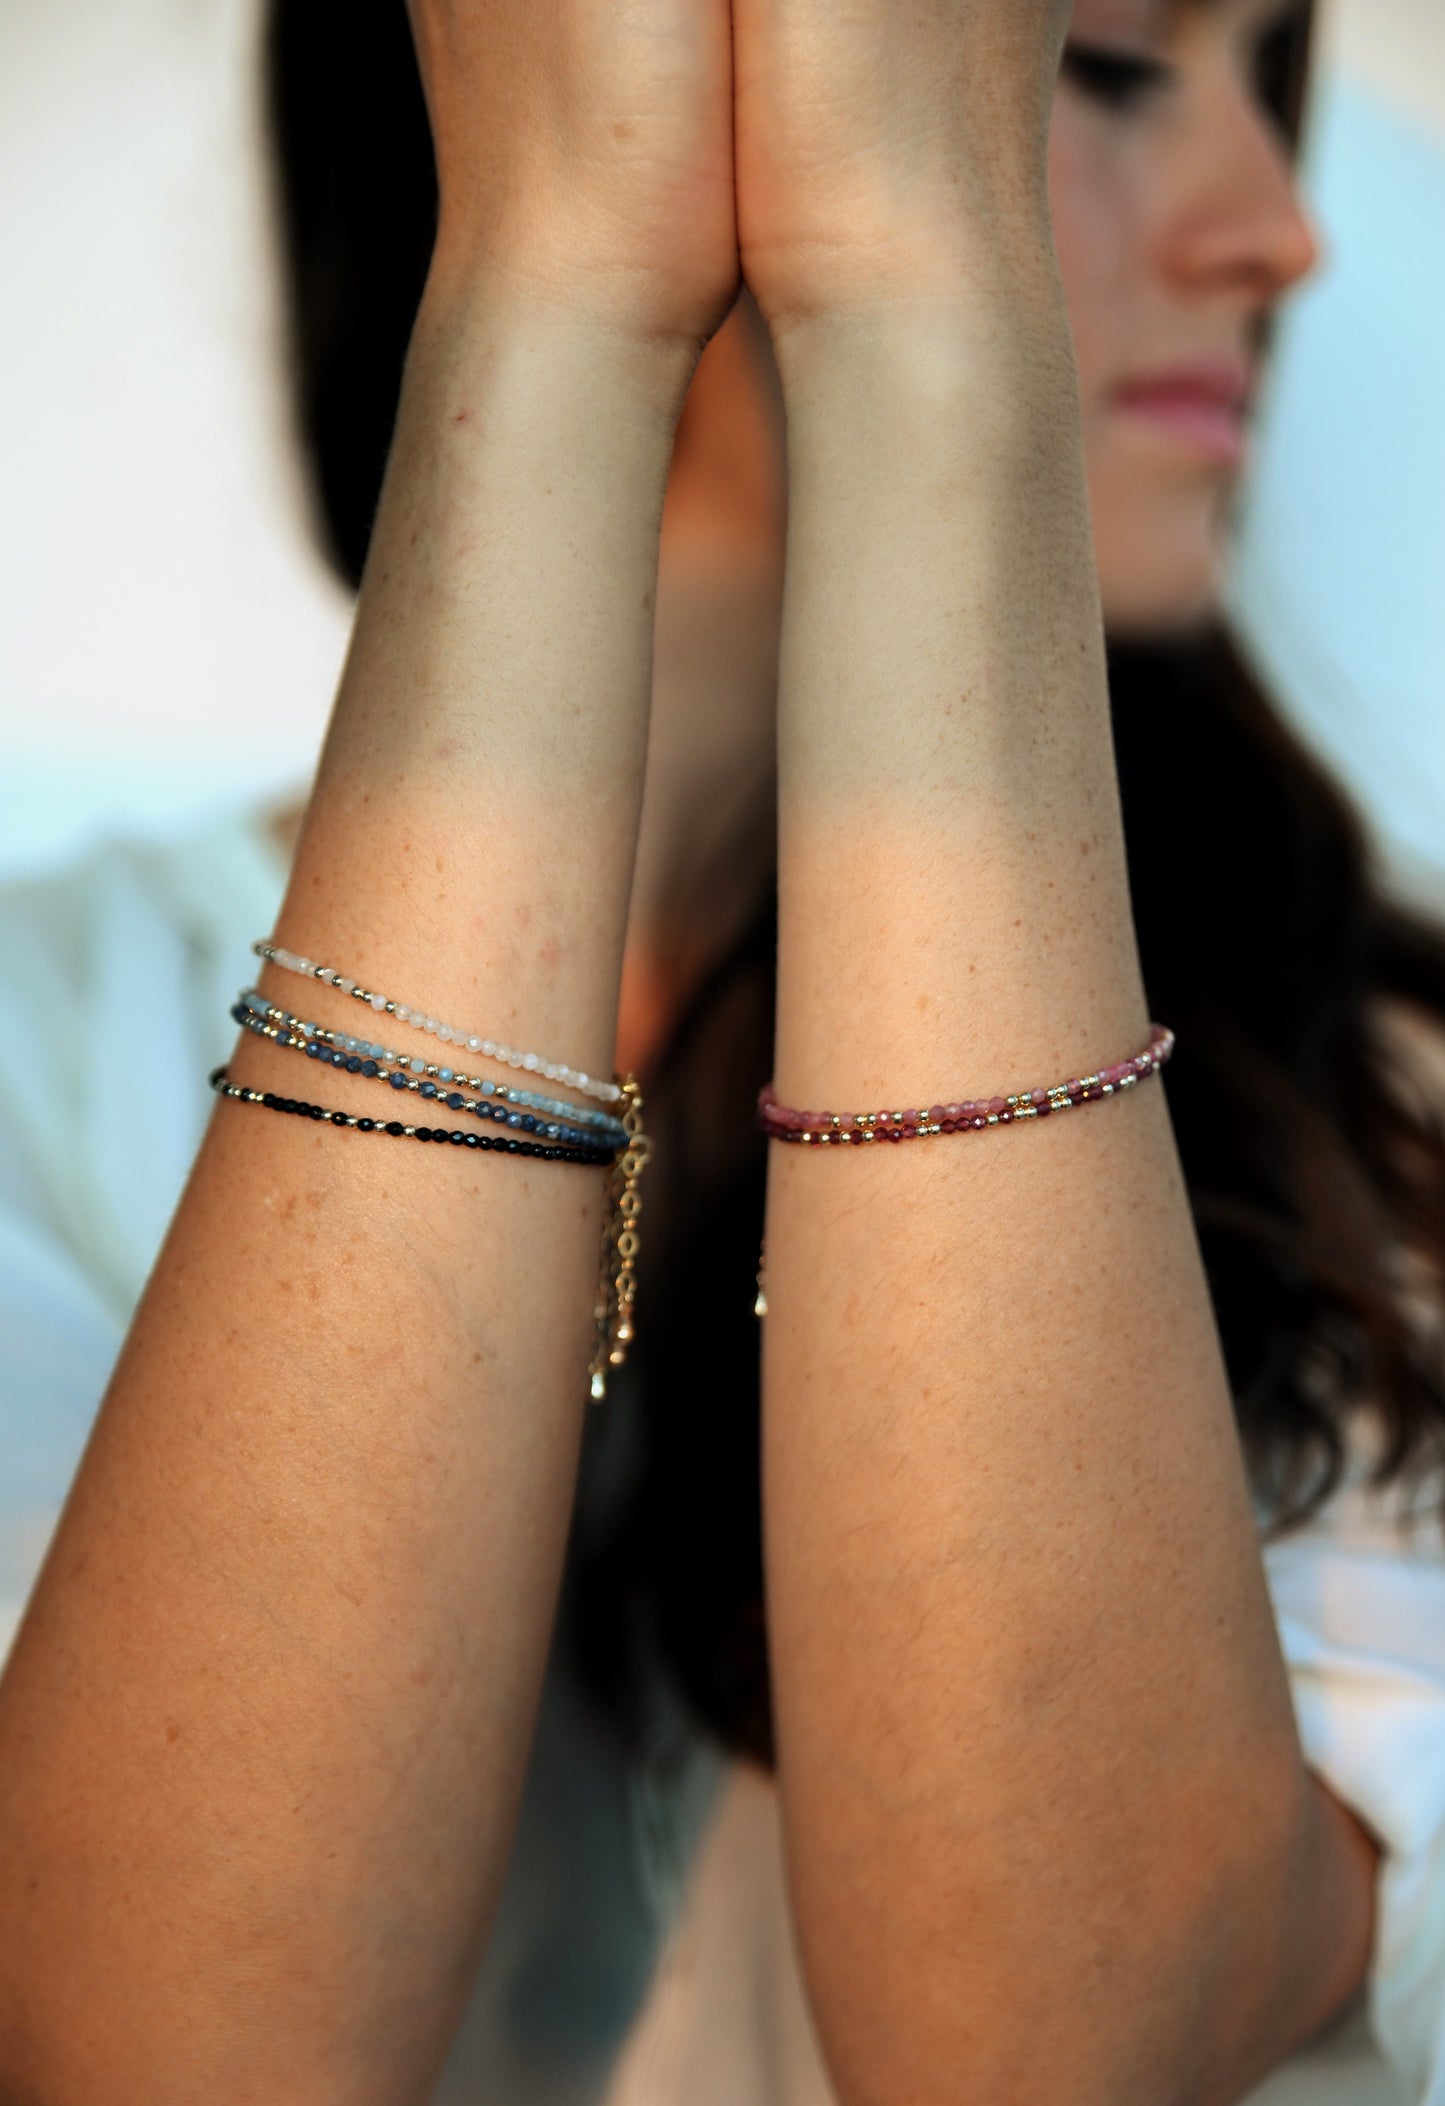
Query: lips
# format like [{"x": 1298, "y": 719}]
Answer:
[{"x": 1201, "y": 405}]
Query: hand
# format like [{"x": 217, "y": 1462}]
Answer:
[
  {"x": 584, "y": 154},
  {"x": 884, "y": 153}
]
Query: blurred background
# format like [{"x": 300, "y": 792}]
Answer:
[{"x": 170, "y": 638}]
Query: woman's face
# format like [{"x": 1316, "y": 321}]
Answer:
[{"x": 1178, "y": 227}]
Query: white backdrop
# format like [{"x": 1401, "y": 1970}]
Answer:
[{"x": 169, "y": 639}]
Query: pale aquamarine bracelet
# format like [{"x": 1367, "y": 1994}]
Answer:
[{"x": 449, "y": 1034}]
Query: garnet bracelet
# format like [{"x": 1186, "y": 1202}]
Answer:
[{"x": 821, "y": 1129}]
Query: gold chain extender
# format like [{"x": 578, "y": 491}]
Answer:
[{"x": 617, "y": 1283}]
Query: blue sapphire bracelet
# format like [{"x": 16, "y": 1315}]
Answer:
[
  {"x": 597, "y": 1148},
  {"x": 603, "y": 1125}
]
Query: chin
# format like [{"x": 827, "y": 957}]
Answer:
[{"x": 1162, "y": 582}]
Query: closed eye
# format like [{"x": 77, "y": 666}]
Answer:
[{"x": 1119, "y": 79}]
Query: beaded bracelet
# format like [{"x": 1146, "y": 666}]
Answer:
[
  {"x": 822, "y": 1129},
  {"x": 605, "y": 1147},
  {"x": 508, "y": 1144},
  {"x": 450, "y": 1034},
  {"x": 607, "y": 1124},
  {"x": 617, "y": 1286}
]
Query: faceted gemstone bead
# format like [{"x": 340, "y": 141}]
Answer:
[
  {"x": 398, "y": 1082},
  {"x": 368, "y": 1067},
  {"x": 394, "y": 1126},
  {"x": 366, "y": 1125},
  {"x": 423, "y": 1133}
]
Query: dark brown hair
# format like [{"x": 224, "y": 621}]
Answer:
[{"x": 1313, "y": 1147}]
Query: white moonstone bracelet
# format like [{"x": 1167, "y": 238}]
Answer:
[{"x": 449, "y": 1034}]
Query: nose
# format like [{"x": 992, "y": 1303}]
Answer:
[{"x": 1240, "y": 223}]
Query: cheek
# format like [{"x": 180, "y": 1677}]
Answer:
[
  {"x": 1156, "y": 528},
  {"x": 1095, "y": 233}
]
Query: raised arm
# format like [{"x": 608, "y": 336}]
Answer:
[
  {"x": 1048, "y": 1828},
  {"x": 263, "y": 1729}
]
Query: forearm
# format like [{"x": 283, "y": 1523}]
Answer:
[
  {"x": 265, "y": 1726},
  {"x": 1032, "y": 1714}
]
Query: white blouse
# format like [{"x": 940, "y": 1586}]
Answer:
[{"x": 115, "y": 981}]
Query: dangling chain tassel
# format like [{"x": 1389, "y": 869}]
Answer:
[{"x": 617, "y": 1285}]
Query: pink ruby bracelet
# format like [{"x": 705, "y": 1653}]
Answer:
[{"x": 820, "y": 1128}]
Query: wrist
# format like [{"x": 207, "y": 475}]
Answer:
[
  {"x": 927, "y": 395},
  {"x": 978, "y": 322},
  {"x": 467, "y": 311}
]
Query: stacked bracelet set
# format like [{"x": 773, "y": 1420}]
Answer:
[
  {"x": 511, "y": 1120},
  {"x": 517, "y": 1120}
]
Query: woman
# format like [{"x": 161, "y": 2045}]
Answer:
[{"x": 314, "y": 1412}]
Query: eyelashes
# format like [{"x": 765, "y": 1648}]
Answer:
[
  {"x": 1120, "y": 80},
  {"x": 1123, "y": 81}
]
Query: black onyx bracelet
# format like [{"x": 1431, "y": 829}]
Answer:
[{"x": 501, "y": 1144}]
